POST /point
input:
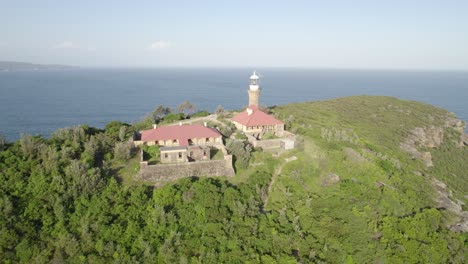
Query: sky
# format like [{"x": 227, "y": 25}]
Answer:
[{"x": 410, "y": 34}]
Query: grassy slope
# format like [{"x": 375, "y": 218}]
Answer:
[
  {"x": 355, "y": 219},
  {"x": 356, "y": 209}
]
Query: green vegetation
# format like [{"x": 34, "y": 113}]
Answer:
[
  {"x": 451, "y": 166},
  {"x": 228, "y": 129},
  {"x": 151, "y": 154},
  {"x": 171, "y": 118},
  {"x": 200, "y": 114},
  {"x": 241, "y": 150},
  {"x": 216, "y": 154},
  {"x": 351, "y": 196},
  {"x": 269, "y": 135}
]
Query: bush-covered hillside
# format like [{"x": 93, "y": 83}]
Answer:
[{"x": 351, "y": 195}]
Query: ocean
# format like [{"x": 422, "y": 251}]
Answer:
[{"x": 39, "y": 102}]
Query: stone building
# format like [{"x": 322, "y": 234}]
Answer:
[
  {"x": 182, "y": 143},
  {"x": 254, "y": 121},
  {"x": 184, "y": 154}
]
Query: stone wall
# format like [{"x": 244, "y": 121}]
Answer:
[
  {"x": 275, "y": 143},
  {"x": 267, "y": 143},
  {"x": 170, "y": 172}
]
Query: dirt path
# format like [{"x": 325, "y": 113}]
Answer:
[
  {"x": 273, "y": 178},
  {"x": 209, "y": 118}
]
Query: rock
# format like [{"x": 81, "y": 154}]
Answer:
[
  {"x": 431, "y": 137},
  {"x": 290, "y": 159},
  {"x": 330, "y": 180},
  {"x": 379, "y": 184},
  {"x": 462, "y": 225},
  {"x": 426, "y": 157},
  {"x": 445, "y": 202},
  {"x": 434, "y": 137},
  {"x": 456, "y": 124},
  {"x": 464, "y": 140}
]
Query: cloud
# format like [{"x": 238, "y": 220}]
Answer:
[
  {"x": 66, "y": 45},
  {"x": 159, "y": 45}
]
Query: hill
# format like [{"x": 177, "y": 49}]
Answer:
[
  {"x": 373, "y": 180},
  {"x": 26, "y": 66}
]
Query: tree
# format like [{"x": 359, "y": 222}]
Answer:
[
  {"x": 122, "y": 151},
  {"x": 160, "y": 112},
  {"x": 2, "y": 142},
  {"x": 114, "y": 128},
  {"x": 186, "y": 108},
  {"x": 264, "y": 108},
  {"x": 241, "y": 150},
  {"x": 219, "y": 110},
  {"x": 122, "y": 133}
]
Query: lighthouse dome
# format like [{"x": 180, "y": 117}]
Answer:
[{"x": 254, "y": 76}]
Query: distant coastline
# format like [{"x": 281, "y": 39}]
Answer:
[{"x": 6, "y": 66}]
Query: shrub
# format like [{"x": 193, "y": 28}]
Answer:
[
  {"x": 2, "y": 142},
  {"x": 228, "y": 130},
  {"x": 200, "y": 114},
  {"x": 113, "y": 129},
  {"x": 242, "y": 152},
  {"x": 122, "y": 151},
  {"x": 173, "y": 117},
  {"x": 269, "y": 135}
]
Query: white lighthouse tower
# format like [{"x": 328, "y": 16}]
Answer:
[{"x": 254, "y": 90}]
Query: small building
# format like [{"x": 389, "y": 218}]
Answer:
[
  {"x": 256, "y": 122},
  {"x": 181, "y": 143},
  {"x": 180, "y": 135},
  {"x": 287, "y": 144},
  {"x": 184, "y": 154}
]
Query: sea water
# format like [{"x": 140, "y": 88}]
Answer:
[{"x": 39, "y": 102}]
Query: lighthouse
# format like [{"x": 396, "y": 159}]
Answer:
[{"x": 254, "y": 90}]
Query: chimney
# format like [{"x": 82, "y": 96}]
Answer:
[
  {"x": 205, "y": 124},
  {"x": 249, "y": 111},
  {"x": 155, "y": 126}
]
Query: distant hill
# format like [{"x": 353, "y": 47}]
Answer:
[{"x": 26, "y": 66}]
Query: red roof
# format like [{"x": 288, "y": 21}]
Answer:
[
  {"x": 256, "y": 118},
  {"x": 180, "y": 133}
]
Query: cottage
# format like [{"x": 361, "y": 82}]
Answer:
[
  {"x": 181, "y": 143},
  {"x": 255, "y": 121}
]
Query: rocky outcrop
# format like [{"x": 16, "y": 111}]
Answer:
[
  {"x": 425, "y": 138},
  {"x": 431, "y": 137},
  {"x": 464, "y": 140},
  {"x": 444, "y": 200},
  {"x": 458, "y": 126}
]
